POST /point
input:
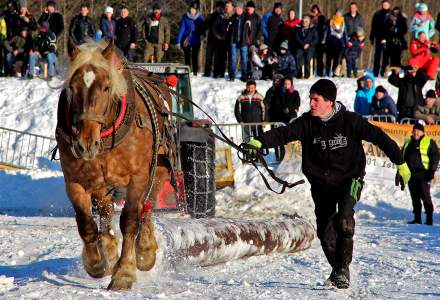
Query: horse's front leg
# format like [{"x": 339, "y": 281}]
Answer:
[
  {"x": 124, "y": 272},
  {"x": 108, "y": 242},
  {"x": 93, "y": 260}
]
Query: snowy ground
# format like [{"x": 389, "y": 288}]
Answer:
[{"x": 40, "y": 247}]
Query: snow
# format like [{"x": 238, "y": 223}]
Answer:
[{"x": 40, "y": 249}]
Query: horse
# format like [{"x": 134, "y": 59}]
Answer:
[{"x": 106, "y": 138}]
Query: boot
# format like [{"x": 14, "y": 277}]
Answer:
[
  {"x": 428, "y": 219},
  {"x": 342, "y": 278},
  {"x": 331, "y": 280},
  {"x": 417, "y": 219}
]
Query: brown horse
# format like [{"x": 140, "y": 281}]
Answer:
[{"x": 105, "y": 139}]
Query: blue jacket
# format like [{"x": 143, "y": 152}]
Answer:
[
  {"x": 379, "y": 106},
  {"x": 107, "y": 27},
  {"x": 264, "y": 21},
  {"x": 422, "y": 24},
  {"x": 364, "y": 97},
  {"x": 191, "y": 30}
]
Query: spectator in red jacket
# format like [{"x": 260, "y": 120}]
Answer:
[{"x": 421, "y": 55}]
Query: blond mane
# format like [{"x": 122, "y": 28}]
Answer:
[{"x": 91, "y": 54}]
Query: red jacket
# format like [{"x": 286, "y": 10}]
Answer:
[{"x": 418, "y": 48}]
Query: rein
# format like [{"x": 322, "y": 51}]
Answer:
[{"x": 240, "y": 148}]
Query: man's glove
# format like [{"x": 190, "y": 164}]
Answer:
[
  {"x": 252, "y": 147},
  {"x": 404, "y": 171},
  {"x": 399, "y": 181}
]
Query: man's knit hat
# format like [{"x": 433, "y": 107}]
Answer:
[
  {"x": 326, "y": 88},
  {"x": 419, "y": 126}
]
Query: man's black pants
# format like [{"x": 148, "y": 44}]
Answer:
[
  {"x": 334, "y": 210},
  {"x": 419, "y": 190}
]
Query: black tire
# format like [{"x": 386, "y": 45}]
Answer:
[{"x": 197, "y": 160}]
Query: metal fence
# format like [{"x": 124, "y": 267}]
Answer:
[{"x": 24, "y": 150}]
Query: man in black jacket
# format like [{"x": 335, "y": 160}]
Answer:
[
  {"x": 220, "y": 30},
  {"x": 273, "y": 26},
  {"x": 212, "y": 39},
  {"x": 333, "y": 160},
  {"x": 422, "y": 156},
  {"x": 54, "y": 18},
  {"x": 45, "y": 47},
  {"x": 250, "y": 108},
  {"x": 126, "y": 34},
  {"x": 410, "y": 85},
  {"x": 306, "y": 39},
  {"x": 82, "y": 28},
  {"x": 377, "y": 36},
  {"x": 353, "y": 20}
]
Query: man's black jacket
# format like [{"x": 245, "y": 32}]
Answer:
[
  {"x": 414, "y": 160},
  {"x": 332, "y": 151},
  {"x": 81, "y": 29},
  {"x": 126, "y": 32},
  {"x": 55, "y": 20},
  {"x": 410, "y": 89}
]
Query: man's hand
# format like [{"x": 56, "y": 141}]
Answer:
[
  {"x": 404, "y": 171},
  {"x": 132, "y": 45},
  {"x": 15, "y": 52},
  {"x": 252, "y": 147},
  {"x": 306, "y": 46}
]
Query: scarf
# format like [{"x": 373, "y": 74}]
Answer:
[
  {"x": 155, "y": 17},
  {"x": 334, "y": 111},
  {"x": 292, "y": 23}
]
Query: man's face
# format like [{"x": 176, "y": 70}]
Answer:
[
  {"x": 229, "y": 8},
  {"x": 23, "y": 33},
  {"x": 417, "y": 134},
  {"x": 239, "y": 10},
  {"x": 278, "y": 11},
  {"x": 84, "y": 11},
  {"x": 193, "y": 11},
  {"x": 429, "y": 101},
  {"x": 353, "y": 9},
  {"x": 250, "y": 89},
  {"x": 156, "y": 12},
  {"x": 283, "y": 51},
  {"x": 319, "y": 107},
  {"x": 379, "y": 95},
  {"x": 250, "y": 10},
  {"x": 276, "y": 82},
  {"x": 306, "y": 22},
  {"x": 124, "y": 13},
  {"x": 386, "y": 5},
  {"x": 50, "y": 9},
  {"x": 23, "y": 10},
  {"x": 369, "y": 83}
]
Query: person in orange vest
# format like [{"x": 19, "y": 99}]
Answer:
[{"x": 421, "y": 155}]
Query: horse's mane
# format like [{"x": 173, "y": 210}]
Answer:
[{"x": 91, "y": 54}]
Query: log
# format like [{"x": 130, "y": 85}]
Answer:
[{"x": 205, "y": 242}]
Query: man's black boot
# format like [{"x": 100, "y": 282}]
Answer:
[
  {"x": 331, "y": 279},
  {"x": 342, "y": 278},
  {"x": 428, "y": 218},
  {"x": 417, "y": 219}
]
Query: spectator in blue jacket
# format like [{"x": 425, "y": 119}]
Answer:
[
  {"x": 364, "y": 95},
  {"x": 422, "y": 22},
  {"x": 382, "y": 103},
  {"x": 285, "y": 62},
  {"x": 107, "y": 24},
  {"x": 264, "y": 21},
  {"x": 190, "y": 35}
]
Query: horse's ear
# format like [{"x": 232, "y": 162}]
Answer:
[
  {"x": 72, "y": 49},
  {"x": 108, "y": 52}
]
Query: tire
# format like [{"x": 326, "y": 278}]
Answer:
[{"x": 197, "y": 161}]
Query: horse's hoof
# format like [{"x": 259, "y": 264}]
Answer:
[
  {"x": 146, "y": 260},
  {"x": 95, "y": 270},
  {"x": 109, "y": 246},
  {"x": 120, "y": 284}
]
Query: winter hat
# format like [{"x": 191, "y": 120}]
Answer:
[
  {"x": 23, "y": 3},
  {"x": 194, "y": 4},
  {"x": 278, "y": 76},
  {"x": 250, "y": 4},
  {"x": 277, "y": 5},
  {"x": 284, "y": 45},
  {"x": 326, "y": 88},
  {"x": 172, "y": 80},
  {"x": 220, "y": 4},
  {"x": 156, "y": 5},
  {"x": 239, "y": 5},
  {"x": 263, "y": 47},
  {"x": 421, "y": 7},
  {"x": 419, "y": 126},
  {"x": 381, "y": 89},
  {"x": 108, "y": 10},
  {"x": 360, "y": 33},
  {"x": 431, "y": 94}
]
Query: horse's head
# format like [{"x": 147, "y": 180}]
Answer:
[{"x": 94, "y": 82}]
